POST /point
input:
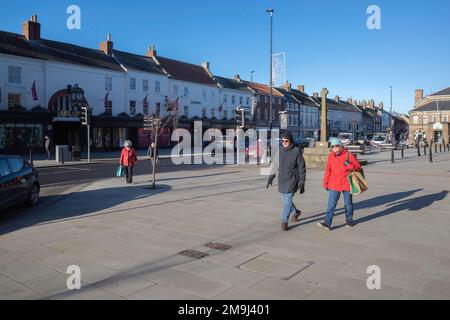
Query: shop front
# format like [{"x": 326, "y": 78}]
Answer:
[
  {"x": 22, "y": 131},
  {"x": 110, "y": 133}
]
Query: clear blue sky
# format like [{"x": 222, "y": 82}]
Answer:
[{"x": 327, "y": 43}]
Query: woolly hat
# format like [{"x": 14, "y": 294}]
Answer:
[{"x": 335, "y": 141}]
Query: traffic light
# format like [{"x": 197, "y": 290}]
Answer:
[
  {"x": 85, "y": 115},
  {"x": 240, "y": 117}
]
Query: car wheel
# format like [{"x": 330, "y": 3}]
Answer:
[{"x": 34, "y": 195}]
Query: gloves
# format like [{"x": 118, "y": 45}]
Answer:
[
  {"x": 270, "y": 181},
  {"x": 302, "y": 189}
]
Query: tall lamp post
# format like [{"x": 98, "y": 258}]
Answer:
[
  {"x": 270, "y": 11},
  {"x": 251, "y": 76}
]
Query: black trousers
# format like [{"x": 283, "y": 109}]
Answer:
[{"x": 129, "y": 174}]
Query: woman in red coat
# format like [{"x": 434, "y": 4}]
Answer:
[
  {"x": 336, "y": 182},
  {"x": 128, "y": 159}
]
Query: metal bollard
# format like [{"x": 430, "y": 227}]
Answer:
[
  {"x": 435, "y": 148},
  {"x": 424, "y": 149},
  {"x": 392, "y": 156},
  {"x": 440, "y": 147},
  {"x": 431, "y": 153},
  {"x": 403, "y": 152},
  {"x": 418, "y": 149},
  {"x": 62, "y": 155}
]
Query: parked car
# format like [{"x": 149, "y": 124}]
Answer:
[
  {"x": 346, "y": 138},
  {"x": 301, "y": 142},
  {"x": 363, "y": 140},
  {"x": 378, "y": 139},
  {"x": 19, "y": 182}
]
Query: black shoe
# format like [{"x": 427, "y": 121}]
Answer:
[
  {"x": 324, "y": 226},
  {"x": 350, "y": 224},
  {"x": 296, "y": 216},
  {"x": 284, "y": 227}
]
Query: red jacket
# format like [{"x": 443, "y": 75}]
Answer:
[
  {"x": 336, "y": 172},
  {"x": 128, "y": 157}
]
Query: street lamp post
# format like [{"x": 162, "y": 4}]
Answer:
[
  {"x": 251, "y": 76},
  {"x": 270, "y": 11}
]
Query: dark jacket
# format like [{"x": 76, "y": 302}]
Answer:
[{"x": 291, "y": 169}]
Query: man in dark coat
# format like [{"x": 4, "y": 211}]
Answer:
[{"x": 291, "y": 169}]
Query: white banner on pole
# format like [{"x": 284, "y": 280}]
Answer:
[{"x": 279, "y": 69}]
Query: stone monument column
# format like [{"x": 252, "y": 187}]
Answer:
[{"x": 323, "y": 125}]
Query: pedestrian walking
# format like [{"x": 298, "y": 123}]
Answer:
[
  {"x": 151, "y": 152},
  {"x": 48, "y": 147},
  {"x": 340, "y": 163},
  {"x": 128, "y": 160},
  {"x": 291, "y": 169}
]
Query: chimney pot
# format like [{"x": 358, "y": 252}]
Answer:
[
  {"x": 151, "y": 52},
  {"x": 316, "y": 95},
  {"x": 237, "y": 77},
  {"x": 31, "y": 29},
  {"x": 301, "y": 88},
  {"x": 205, "y": 65},
  {"x": 337, "y": 98},
  {"x": 107, "y": 46},
  {"x": 419, "y": 95}
]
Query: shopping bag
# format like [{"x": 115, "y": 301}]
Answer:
[
  {"x": 357, "y": 181},
  {"x": 120, "y": 171}
]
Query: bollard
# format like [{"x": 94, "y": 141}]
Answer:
[
  {"x": 431, "y": 153},
  {"x": 62, "y": 155},
  {"x": 403, "y": 152},
  {"x": 31, "y": 156},
  {"x": 392, "y": 155},
  {"x": 418, "y": 149},
  {"x": 435, "y": 148},
  {"x": 440, "y": 147},
  {"x": 425, "y": 149}
]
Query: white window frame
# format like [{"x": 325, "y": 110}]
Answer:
[
  {"x": 157, "y": 86},
  {"x": 132, "y": 84},
  {"x": 14, "y": 74},
  {"x": 145, "y": 85}
]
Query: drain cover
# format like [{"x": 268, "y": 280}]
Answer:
[
  {"x": 218, "y": 246},
  {"x": 193, "y": 254}
]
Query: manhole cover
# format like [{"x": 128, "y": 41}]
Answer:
[
  {"x": 218, "y": 246},
  {"x": 193, "y": 254},
  {"x": 276, "y": 266}
]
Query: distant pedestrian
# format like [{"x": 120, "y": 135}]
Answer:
[
  {"x": 340, "y": 163},
  {"x": 291, "y": 169},
  {"x": 128, "y": 160},
  {"x": 48, "y": 147},
  {"x": 151, "y": 152}
]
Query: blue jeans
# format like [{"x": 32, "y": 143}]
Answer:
[
  {"x": 288, "y": 206},
  {"x": 333, "y": 198}
]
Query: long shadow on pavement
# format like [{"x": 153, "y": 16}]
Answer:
[{"x": 79, "y": 204}]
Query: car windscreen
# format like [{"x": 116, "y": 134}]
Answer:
[
  {"x": 4, "y": 168},
  {"x": 16, "y": 164}
]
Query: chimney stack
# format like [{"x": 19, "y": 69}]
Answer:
[
  {"x": 337, "y": 98},
  {"x": 372, "y": 104},
  {"x": 151, "y": 52},
  {"x": 287, "y": 86},
  {"x": 237, "y": 77},
  {"x": 31, "y": 30},
  {"x": 316, "y": 95},
  {"x": 419, "y": 95},
  {"x": 350, "y": 100},
  {"x": 301, "y": 88},
  {"x": 381, "y": 105},
  {"x": 107, "y": 46}
]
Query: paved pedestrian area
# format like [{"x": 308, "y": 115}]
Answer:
[{"x": 126, "y": 239}]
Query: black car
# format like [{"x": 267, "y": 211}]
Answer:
[
  {"x": 18, "y": 182},
  {"x": 301, "y": 142}
]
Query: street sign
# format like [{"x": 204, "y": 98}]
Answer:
[
  {"x": 437, "y": 126},
  {"x": 283, "y": 120}
]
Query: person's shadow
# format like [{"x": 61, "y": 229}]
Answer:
[
  {"x": 414, "y": 204},
  {"x": 76, "y": 205},
  {"x": 369, "y": 203}
]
